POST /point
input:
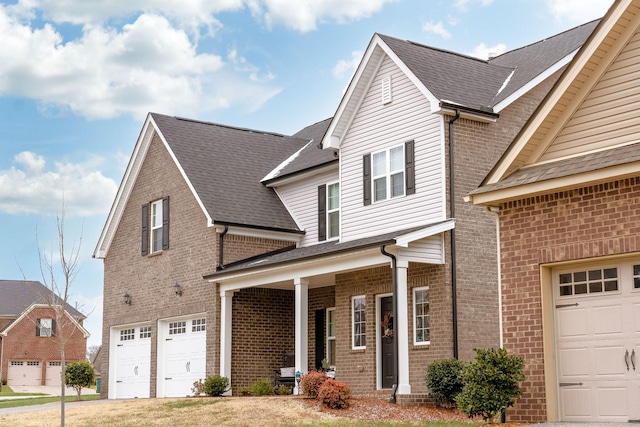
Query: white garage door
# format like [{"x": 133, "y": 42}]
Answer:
[
  {"x": 53, "y": 374},
  {"x": 24, "y": 372},
  {"x": 132, "y": 367},
  {"x": 183, "y": 355},
  {"x": 598, "y": 342}
]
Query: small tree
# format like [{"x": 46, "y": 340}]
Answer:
[
  {"x": 490, "y": 383},
  {"x": 216, "y": 385},
  {"x": 78, "y": 375}
]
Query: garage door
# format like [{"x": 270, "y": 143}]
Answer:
[
  {"x": 183, "y": 354},
  {"x": 24, "y": 372},
  {"x": 598, "y": 342},
  {"x": 132, "y": 367},
  {"x": 53, "y": 374}
]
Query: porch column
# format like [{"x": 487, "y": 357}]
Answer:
[
  {"x": 402, "y": 327},
  {"x": 301, "y": 325},
  {"x": 226, "y": 305}
]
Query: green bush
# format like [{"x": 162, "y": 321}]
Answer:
[
  {"x": 311, "y": 383},
  {"x": 283, "y": 390},
  {"x": 490, "y": 383},
  {"x": 444, "y": 381},
  {"x": 216, "y": 385},
  {"x": 261, "y": 387},
  {"x": 334, "y": 394},
  {"x": 78, "y": 375}
]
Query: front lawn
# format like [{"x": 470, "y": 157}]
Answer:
[
  {"x": 14, "y": 403},
  {"x": 7, "y": 391}
]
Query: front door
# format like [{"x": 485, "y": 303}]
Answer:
[{"x": 387, "y": 341}]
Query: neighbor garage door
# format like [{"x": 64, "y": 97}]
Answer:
[
  {"x": 132, "y": 362},
  {"x": 182, "y": 355},
  {"x": 598, "y": 342},
  {"x": 53, "y": 374},
  {"x": 24, "y": 372}
]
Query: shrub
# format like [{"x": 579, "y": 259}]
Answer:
[
  {"x": 490, "y": 383},
  {"x": 261, "y": 387},
  {"x": 311, "y": 383},
  {"x": 245, "y": 391},
  {"x": 78, "y": 375},
  {"x": 283, "y": 390},
  {"x": 334, "y": 394},
  {"x": 444, "y": 381},
  {"x": 216, "y": 385},
  {"x": 198, "y": 388}
]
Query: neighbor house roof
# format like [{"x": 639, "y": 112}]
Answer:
[{"x": 16, "y": 296}]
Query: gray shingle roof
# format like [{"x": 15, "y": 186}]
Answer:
[
  {"x": 314, "y": 251},
  {"x": 478, "y": 84},
  {"x": 225, "y": 165},
  {"x": 18, "y": 295},
  {"x": 567, "y": 167}
]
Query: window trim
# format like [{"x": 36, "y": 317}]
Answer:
[
  {"x": 415, "y": 317},
  {"x": 329, "y": 211},
  {"x": 156, "y": 206},
  {"x": 328, "y": 337},
  {"x": 409, "y": 172},
  {"x": 353, "y": 323},
  {"x": 388, "y": 174}
]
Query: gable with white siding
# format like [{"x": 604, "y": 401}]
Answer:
[{"x": 377, "y": 126}]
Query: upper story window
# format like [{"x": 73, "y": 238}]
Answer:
[
  {"x": 389, "y": 173},
  {"x": 329, "y": 211},
  {"x": 155, "y": 226},
  {"x": 45, "y": 328}
]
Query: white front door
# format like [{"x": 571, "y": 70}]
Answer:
[
  {"x": 24, "y": 372},
  {"x": 183, "y": 354},
  {"x": 598, "y": 342},
  {"x": 132, "y": 366}
]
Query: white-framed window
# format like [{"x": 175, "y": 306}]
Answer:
[
  {"x": 179, "y": 327},
  {"x": 33, "y": 363},
  {"x": 387, "y": 168},
  {"x": 127, "y": 334},
  {"x": 333, "y": 210},
  {"x": 331, "y": 336},
  {"x": 421, "y": 316},
  {"x": 585, "y": 282},
  {"x": 156, "y": 226},
  {"x": 198, "y": 325},
  {"x": 636, "y": 276},
  {"x": 359, "y": 322},
  {"x": 46, "y": 327}
]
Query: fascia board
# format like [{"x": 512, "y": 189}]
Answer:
[
  {"x": 428, "y": 231},
  {"x": 32, "y": 307}
]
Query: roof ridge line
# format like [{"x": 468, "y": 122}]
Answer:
[{"x": 262, "y": 132}]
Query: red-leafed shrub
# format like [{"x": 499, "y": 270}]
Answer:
[
  {"x": 334, "y": 394},
  {"x": 311, "y": 383}
]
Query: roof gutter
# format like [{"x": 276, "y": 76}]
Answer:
[
  {"x": 394, "y": 286},
  {"x": 452, "y": 209}
]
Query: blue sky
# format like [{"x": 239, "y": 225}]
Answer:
[{"x": 78, "y": 77}]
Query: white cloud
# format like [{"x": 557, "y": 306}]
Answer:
[
  {"x": 483, "y": 51},
  {"x": 29, "y": 188},
  {"x": 436, "y": 28},
  {"x": 347, "y": 66},
  {"x": 578, "y": 10},
  {"x": 463, "y": 4}
]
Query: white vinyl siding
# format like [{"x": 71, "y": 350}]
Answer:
[
  {"x": 379, "y": 127},
  {"x": 609, "y": 114},
  {"x": 300, "y": 199},
  {"x": 429, "y": 250}
]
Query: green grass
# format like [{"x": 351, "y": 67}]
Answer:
[
  {"x": 355, "y": 423},
  {"x": 7, "y": 391},
  {"x": 14, "y": 403}
]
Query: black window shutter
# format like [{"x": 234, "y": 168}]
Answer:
[
  {"x": 366, "y": 179},
  {"x": 322, "y": 212},
  {"x": 145, "y": 229},
  {"x": 37, "y": 327},
  {"x": 410, "y": 167},
  {"x": 53, "y": 327},
  {"x": 165, "y": 223}
]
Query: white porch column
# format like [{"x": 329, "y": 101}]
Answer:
[
  {"x": 402, "y": 327},
  {"x": 226, "y": 305},
  {"x": 301, "y": 325}
]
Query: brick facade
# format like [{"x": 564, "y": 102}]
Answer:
[
  {"x": 590, "y": 222},
  {"x": 21, "y": 342}
]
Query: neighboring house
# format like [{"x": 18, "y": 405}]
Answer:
[
  {"x": 303, "y": 243},
  {"x": 567, "y": 195},
  {"x": 29, "y": 331}
]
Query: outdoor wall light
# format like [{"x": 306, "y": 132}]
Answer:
[
  {"x": 177, "y": 289},
  {"x": 127, "y": 298}
]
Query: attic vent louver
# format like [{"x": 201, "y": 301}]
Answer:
[{"x": 386, "y": 90}]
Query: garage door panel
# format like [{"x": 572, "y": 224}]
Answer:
[
  {"x": 133, "y": 362},
  {"x": 54, "y": 377},
  {"x": 612, "y": 402},
  {"x": 574, "y": 362},
  {"x": 184, "y": 356},
  {"x": 572, "y": 323},
  {"x": 24, "y": 372},
  {"x": 636, "y": 318},
  {"x": 577, "y": 403},
  {"x": 607, "y": 320},
  {"x": 610, "y": 361}
]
